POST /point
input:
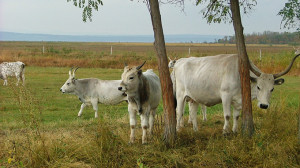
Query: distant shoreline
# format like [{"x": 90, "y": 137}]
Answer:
[{"x": 188, "y": 38}]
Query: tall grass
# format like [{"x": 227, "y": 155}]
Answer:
[{"x": 103, "y": 142}]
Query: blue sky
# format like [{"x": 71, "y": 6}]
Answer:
[{"x": 126, "y": 17}]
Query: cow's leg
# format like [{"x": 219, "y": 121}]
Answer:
[
  {"x": 193, "y": 114},
  {"x": 226, "y": 102},
  {"x": 144, "y": 124},
  {"x": 182, "y": 118},
  {"x": 23, "y": 79},
  {"x": 203, "y": 107},
  {"x": 18, "y": 79},
  {"x": 179, "y": 110},
  {"x": 132, "y": 121},
  {"x": 236, "y": 115},
  {"x": 190, "y": 118},
  {"x": 95, "y": 107},
  {"x": 81, "y": 109},
  {"x": 5, "y": 80},
  {"x": 151, "y": 120}
]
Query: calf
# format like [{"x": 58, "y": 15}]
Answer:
[
  {"x": 144, "y": 94},
  {"x": 12, "y": 69},
  {"x": 92, "y": 91}
]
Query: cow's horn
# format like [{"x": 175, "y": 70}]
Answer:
[
  {"x": 139, "y": 67},
  {"x": 75, "y": 71},
  {"x": 169, "y": 58},
  {"x": 254, "y": 70},
  {"x": 287, "y": 69},
  {"x": 70, "y": 71}
]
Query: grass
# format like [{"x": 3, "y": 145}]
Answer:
[{"x": 39, "y": 126}]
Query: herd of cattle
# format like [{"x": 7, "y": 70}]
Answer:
[{"x": 206, "y": 81}]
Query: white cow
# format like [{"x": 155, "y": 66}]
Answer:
[
  {"x": 12, "y": 69},
  {"x": 92, "y": 91},
  {"x": 190, "y": 101},
  {"x": 144, "y": 94},
  {"x": 215, "y": 79}
]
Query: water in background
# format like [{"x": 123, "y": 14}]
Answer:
[{"x": 8, "y": 36}]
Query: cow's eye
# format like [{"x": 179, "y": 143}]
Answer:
[
  {"x": 258, "y": 88},
  {"x": 131, "y": 78},
  {"x": 68, "y": 84},
  {"x": 272, "y": 90}
]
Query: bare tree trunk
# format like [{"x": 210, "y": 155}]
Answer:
[
  {"x": 164, "y": 74},
  {"x": 247, "y": 123}
]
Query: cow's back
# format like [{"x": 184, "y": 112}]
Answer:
[{"x": 203, "y": 78}]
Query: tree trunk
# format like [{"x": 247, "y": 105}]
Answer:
[
  {"x": 164, "y": 74},
  {"x": 247, "y": 123},
  {"x": 299, "y": 125}
]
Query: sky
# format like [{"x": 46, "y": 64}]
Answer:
[{"x": 127, "y": 17}]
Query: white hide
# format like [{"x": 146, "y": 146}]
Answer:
[
  {"x": 215, "y": 79},
  {"x": 193, "y": 106},
  {"x": 12, "y": 69},
  {"x": 92, "y": 91}
]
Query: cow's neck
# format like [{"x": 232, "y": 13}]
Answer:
[
  {"x": 79, "y": 89},
  {"x": 143, "y": 89},
  {"x": 141, "y": 95}
]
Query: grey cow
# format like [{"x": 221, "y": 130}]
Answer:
[
  {"x": 144, "y": 93},
  {"x": 92, "y": 91},
  {"x": 215, "y": 79}
]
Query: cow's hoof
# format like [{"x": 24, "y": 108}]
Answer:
[{"x": 226, "y": 132}]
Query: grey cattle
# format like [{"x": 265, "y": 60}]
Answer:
[
  {"x": 12, "y": 69},
  {"x": 92, "y": 91},
  {"x": 190, "y": 101},
  {"x": 215, "y": 79},
  {"x": 144, "y": 94}
]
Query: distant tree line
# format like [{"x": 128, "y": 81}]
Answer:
[{"x": 266, "y": 37}]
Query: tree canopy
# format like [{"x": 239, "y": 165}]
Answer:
[
  {"x": 291, "y": 15},
  {"x": 88, "y": 6},
  {"x": 217, "y": 11}
]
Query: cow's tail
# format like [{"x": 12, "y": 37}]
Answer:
[
  {"x": 175, "y": 101},
  {"x": 174, "y": 87}
]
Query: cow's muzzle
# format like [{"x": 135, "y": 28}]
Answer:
[{"x": 263, "y": 106}]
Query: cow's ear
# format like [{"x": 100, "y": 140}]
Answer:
[
  {"x": 279, "y": 81},
  {"x": 252, "y": 79},
  {"x": 140, "y": 72}
]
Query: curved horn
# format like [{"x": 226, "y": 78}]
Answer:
[
  {"x": 75, "y": 71},
  {"x": 70, "y": 71},
  {"x": 169, "y": 58},
  {"x": 139, "y": 67},
  {"x": 253, "y": 68},
  {"x": 287, "y": 69}
]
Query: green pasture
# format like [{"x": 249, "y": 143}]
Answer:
[
  {"x": 39, "y": 127},
  {"x": 43, "y": 84}
]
